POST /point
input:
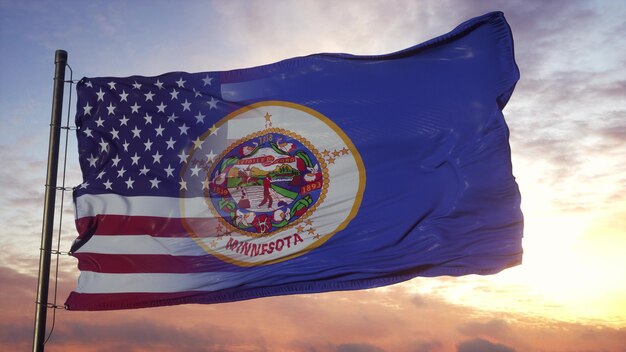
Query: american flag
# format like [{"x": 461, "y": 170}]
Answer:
[{"x": 135, "y": 134}]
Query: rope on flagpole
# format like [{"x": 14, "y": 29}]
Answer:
[
  {"x": 56, "y": 252},
  {"x": 58, "y": 188},
  {"x": 54, "y": 306}
]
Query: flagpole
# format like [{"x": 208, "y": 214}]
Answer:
[{"x": 60, "y": 60}]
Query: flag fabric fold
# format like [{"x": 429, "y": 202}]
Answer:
[{"x": 312, "y": 174}]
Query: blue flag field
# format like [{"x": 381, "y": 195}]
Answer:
[{"x": 317, "y": 173}]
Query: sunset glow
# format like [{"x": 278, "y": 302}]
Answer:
[{"x": 567, "y": 121}]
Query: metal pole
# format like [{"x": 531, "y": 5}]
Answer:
[{"x": 60, "y": 60}]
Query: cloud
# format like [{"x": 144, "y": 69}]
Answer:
[
  {"x": 134, "y": 332},
  {"x": 493, "y": 328},
  {"x": 388, "y": 319},
  {"x": 428, "y": 346},
  {"x": 567, "y": 114},
  {"x": 23, "y": 177},
  {"x": 18, "y": 334},
  {"x": 358, "y": 347},
  {"x": 480, "y": 345},
  {"x": 567, "y": 141}
]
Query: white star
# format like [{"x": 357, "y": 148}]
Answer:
[
  {"x": 186, "y": 105},
  {"x": 157, "y": 158},
  {"x": 210, "y": 156},
  {"x": 181, "y": 83},
  {"x": 100, "y": 122},
  {"x": 183, "y": 184},
  {"x": 129, "y": 183},
  {"x": 136, "y": 132},
  {"x": 84, "y": 185},
  {"x": 161, "y": 107},
  {"x": 111, "y": 108},
  {"x": 115, "y": 134},
  {"x": 213, "y": 130},
  {"x": 170, "y": 143},
  {"x": 92, "y": 160},
  {"x": 135, "y": 159},
  {"x": 100, "y": 95},
  {"x": 174, "y": 94},
  {"x": 149, "y": 96},
  {"x": 212, "y": 103},
  {"x": 123, "y": 96},
  {"x": 183, "y": 129},
  {"x": 107, "y": 185},
  {"x": 123, "y": 121},
  {"x": 159, "y": 84},
  {"x": 121, "y": 172},
  {"x": 200, "y": 117},
  {"x": 183, "y": 156},
  {"x": 116, "y": 160},
  {"x": 87, "y": 109},
  {"x": 194, "y": 170},
  {"x": 197, "y": 93},
  {"x": 172, "y": 118},
  {"x": 148, "y": 144},
  {"x": 112, "y": 85},
  {"x": 169, "y": 171},
  {"x": 207, "y": 80},
  {"x": 104, "y": 145},
  {"x": 148, "y": 119},
  {"x": 88, "y": 84},
  {"x": 88, "y": 131},
  {"x": 100, "y": 175},
  {"x": 144, "y": 170},
  {"x": 198, "y": 142},
  {"x": 137, "y": 85},
  {"x": 205, "y": 183},
  {"x": 154, "y": 183},
  {"x": 125, "y": 145},
  {"x": 135, "y": 108},
  {"x": 159, "y": 130}
]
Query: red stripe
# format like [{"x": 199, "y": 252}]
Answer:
[
  {"x": 131, "y": 300},
  {"x": 103, "y": 225},
  {"x": 125, "y": 300},
  {"x": 149, "y": 263},
  {"x": 109, "y": 301}
]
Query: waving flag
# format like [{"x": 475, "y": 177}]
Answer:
[{"x": 316, "y": 173}]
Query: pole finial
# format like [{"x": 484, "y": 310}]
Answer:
[{"x": 60, "y": 56}]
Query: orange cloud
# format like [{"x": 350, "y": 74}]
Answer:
[{"x": 388, "y": 319}]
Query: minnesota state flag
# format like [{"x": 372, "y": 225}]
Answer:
[{"x": 316, "y": 173}]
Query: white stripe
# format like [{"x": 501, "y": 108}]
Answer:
[
  {"x": 92, "y": 282},
  {"x": 142, "y": 244},
  {"x": 113, "y": 204}
]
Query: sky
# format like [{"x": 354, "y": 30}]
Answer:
[{"x": 567, "y": 119}]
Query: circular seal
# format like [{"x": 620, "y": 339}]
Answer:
[
  {"x": 266, "y": 182},
  {"x": 270, "y": 182}
]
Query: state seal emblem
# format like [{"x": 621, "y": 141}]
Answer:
[{"x": 276, "y": 180}]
